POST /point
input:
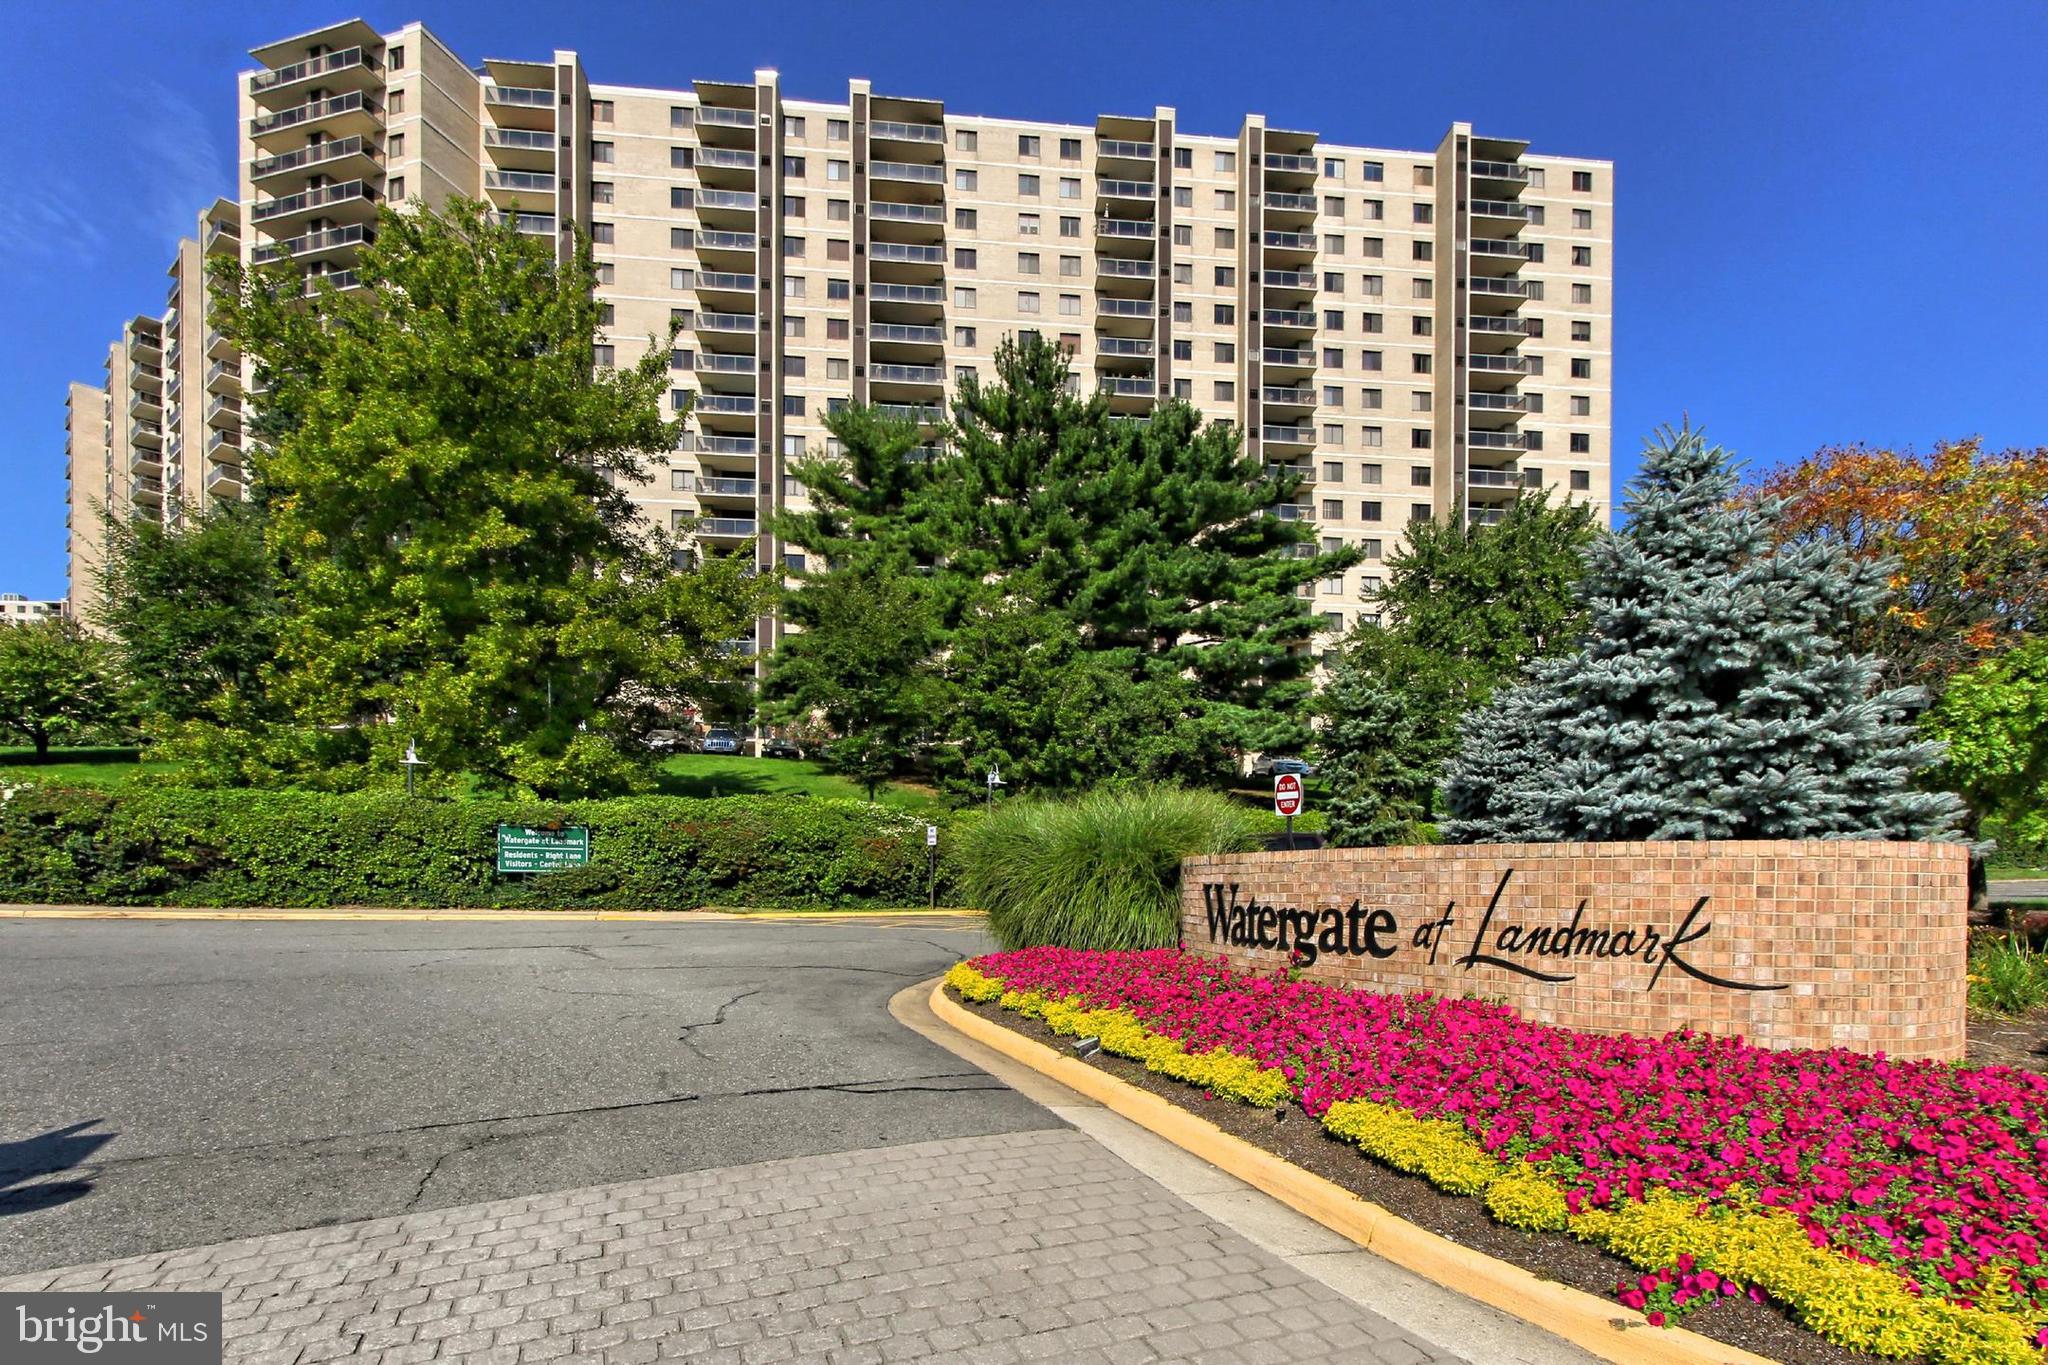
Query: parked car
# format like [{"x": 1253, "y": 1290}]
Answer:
[
  {"x": 721, "y": 739},
  {"x": 667, "y": 741},
  {"x": 1272, "y": 765},
  {"x": 780, "y": 748}
]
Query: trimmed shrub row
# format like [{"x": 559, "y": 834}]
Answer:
[{"x": 179, "y": 847}]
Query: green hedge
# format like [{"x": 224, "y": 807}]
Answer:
[{"x": 180, "y": 847}]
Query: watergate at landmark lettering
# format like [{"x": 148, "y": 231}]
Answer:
[{"x": 1531, "y": 950}]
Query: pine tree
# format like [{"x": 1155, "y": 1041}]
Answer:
[
  {"x": 1379, "y": 769},
  {"x": 1714, "y": 698}
]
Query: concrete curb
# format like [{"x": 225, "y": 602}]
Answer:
[
  {"x": 474, "y": 916},
  {"x": 1604, "y": 1329}
]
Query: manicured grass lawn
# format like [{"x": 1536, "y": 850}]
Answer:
[
  {"x": 737, "y": 775},
  {"x": 77, "y": 767},
  {"x": 2008, "y": 872}
]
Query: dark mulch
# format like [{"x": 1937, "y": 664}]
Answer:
[
  {"x": 2020, "y": 1042},
  {"x": 1756, "y": 1327}
]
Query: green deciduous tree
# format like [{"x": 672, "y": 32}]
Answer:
[
  {"x": 56, "y": 682},
  {"x": 1065, "y": 555},
  {"x": 1464, "y": 610},
  {"x": 445, "y": 476},
  {"x": 1713, "y": 698},
  {"x": 1994, "y": 721}
]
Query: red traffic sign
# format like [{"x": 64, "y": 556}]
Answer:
[{"x": 1287, "y": 794}]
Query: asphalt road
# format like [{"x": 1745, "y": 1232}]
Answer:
[{"x": 170, "y": 1084}]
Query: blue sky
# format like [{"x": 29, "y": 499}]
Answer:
[{"x": 1822, "y": 226}]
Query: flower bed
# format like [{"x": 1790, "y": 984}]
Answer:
[{"x": 1895, "y": 1208}]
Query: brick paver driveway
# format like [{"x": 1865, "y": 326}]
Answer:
[{"x": 1027, "y": 1246}]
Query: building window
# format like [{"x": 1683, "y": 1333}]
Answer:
[
  {"x": 1028, "y": 185},
  {"x": 1582, "y": 181},
  {"x": 838, "y": 329},
  {"x": 1582, "y": 331},
  {"x": 679, "y": 239},
  {"x": 1333, "y": 509},
  {"x": 1423, "y": 363},
  {"x": 601, "y": 233},
  {"x": 1226, "y": 161},
  {"x": 1425, "y": 213},
  {"x": 1373, "y": 170},
  {"x": 1582, "y": 406},
  {"x": 836, "y": 129},
  {"x": 1371, "y": 399},
  {"x": 1226, "y": 391},
  {"x": 607, "y": 273},
  {"x": 1027, "y": 301},
  {"x": 1226, "y": 275},
  {"x": 965, "y": 258},
  {"x": 1419, "y": 512},
  {"x": 793, "y": 125},
  {"x": 1183, "y": 196},
  {"x": 968, "y": 219},
  {"x": 792, "y": 206},
  {"x": 1419, "y": 401},
  {"x": 1372, "y": 286},
  {"x": 1422, "y": 289},
  {"x": 793, "y": 366},
  {"x": 1582, "y": 368},
  {"x": 1424, "y": 251},
  {"x": 1418, "y": 476},
  {"x": 1183, "y": 311},
  {"x": 1582, "y": 443},
  {"x": 1582, "y": 480},
  {"x": 1027, "y": 225},
  {"x": 838, "y": 249},
  {"x": 965, "y": 180},
  {"x": 1184, "y": 158},
  {"x": 600, "y": 191},
  {"x": 838, "y": 210},
  {"x": 838, "y": 170},
  {"x": 604, "y": 354},
  {"x": 681, "y": 116},
  {"x": 792, "y": 286},
  {"x": 1420, "y": 438},
  {"x": 1371, "y": 360},
  {"x": 836, "y": 367},
  {"x": 963, "y": 336},
  {"x": 838, "y": 289},
  {"x": 395, "y": 58},
  {"x": 1582, "y": 255},
  {"x": 680, "y": 196},
  {"x": 1027, "y": 263},
  {"x": 1333, "y": 320},
  {"x": 1226, "y": 313},
  {"x": 793, "y": 327},
  {"x": 1333, "y": 434},
  {"x": 963, "y": 297},
  {"x": 396, "y": 189},
  {"x": 1375, "y": 210},
  {"x": 601, "y": 153},
  {"x": 1070, "y": 187},
  {"x": 1333, "y": 396},
  {"x": 1070, "y": 226},
  {"x": 600, "y": 111},
  {"x": 1372, "y": 322},
  {"x": 1070, "y": 265},
  {"x": 966, "y": 140},
  {"x": 1070, "y": 305},
  {"x": 792, "y": 405},
  {"x": 1425, "y": 176},
  {"x": 1368, "y": 511},
  {"x": 1582, "y": 219},
  {"x": 1027, "y": 145},
  {"x": 1582, "y": 293},
  {"x": 1226, "y": 239}
]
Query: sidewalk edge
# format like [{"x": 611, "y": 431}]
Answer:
[{"x": 1607, "y": 1330}]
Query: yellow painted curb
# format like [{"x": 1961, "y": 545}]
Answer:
[
  {"x": 1607, "y": 1330},
  {"x": 472, "y": 916}
]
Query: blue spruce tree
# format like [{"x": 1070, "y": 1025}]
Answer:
[{"x": 1712, "y": 699}]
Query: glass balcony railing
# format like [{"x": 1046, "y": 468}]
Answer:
[
  {"x": 1513, "y": 325},
  {"x": 1124, "y": 308},
  {"x": 725, "y": 322},
  {"x": 710, "y": 239},
  {"x": 326, "y": 64},
  {"x": 721, "y": 116},
  {"x": 1289, "y": 355},
  {"x": 727, "y": 199},
  {"x": 1507, "y": 364},
  {"x": 1293, "y": 398},
  {"x": 1288, "y": 317},
  {"x": 1501, "y": 170},
  {"x": 1504, "y": 208},
  {"x": 887, "y": 212},
  {"x": 726, "y": 445},
  {"x": 1126, "y": 189},
  {"x": 1500, "y": 246},
  {"x": 1505, "y": 402},
  {"x": 717, "y": 363},
  {"x": 1521, "y": 289},
  {"x": 896, "y": 131},
  {"x": 326, "y": 196},
  {"x": 1125, "y": 150},
  {"x": 730, "y": 404},
  {"x": 1290, "y": 279},
  {"x": 1493, "y": 478},
  {"x": 725, "y": 159},
  {"x": 725, "y": 281},
  {"x": 519, "y": 139},
  {"x": 907, "y": 332},
  {"x": 356, "y": 234},
  {"x": 1115, "y": 265},
  {"x": 924, "y": 414},
  {"x": 726, "y": 526},
  {"x": 907, "y": 293},
  {"x": 1292, "y": 162},
  {"x": 1124, "y": 227},
  {"x": 905, "y": 170},
  {"x": 1498, "y": 440},
  {"x": 319, "y": 154},
  {"x": 1125, "y": 346},
  {"x": 1144, "y": 387},
  {"x": 519, "y": 96},
  {"x": 915, "y": 255},
  {"x": 907, "y": 374},
  {"x": 725, "y": 487},
  {"x": 312, "y": 112},
  {"x": 1293, "y": 436},
  {"x": 1292, "y": 241},
  {"x": 1290, "y": 203},
  {"x": 533, "y": 224}
]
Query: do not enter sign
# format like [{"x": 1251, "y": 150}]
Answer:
[{"x": 1287, "y": 794}]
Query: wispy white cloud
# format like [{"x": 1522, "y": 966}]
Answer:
[{"x": 179, "y": 162}]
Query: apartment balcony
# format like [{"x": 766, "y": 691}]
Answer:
[
  {"x": 147, "y": 491},
  {"x": 1294, "y": 396},
  {"x": 1500, "y": 294},
  {"x": 222, "y": 444},
  {"x": 725, "y": 404},
  {"x": 1126, "y": 229},
  {"x": 738, "y": 649},
  {"x": 146, "y": 432},
  {"x": 1290, "y": 164},
  {"x": 1493, "y": 411},
  {"x": 906, "y": 253},
  {"x": 717, "y": 487},
  {"x": 1502, "y": 332},
  {"x": 1477, "y": 514},
  {"x": 146, "y": 403},
  {"x": 531, "y": 224},
  {"x": 524, "y": 149},
  {"x": 319, "y": 282},
  {"x": 345, "y": 157},
  {"x": 1288, "y": 250},
  {"x": 1511, "y": 367},
  {"x": 727, "y": 322},
  {"x": 1297, "y": 280},
  {"x": 920, "y": 376},
  {"x": 1291, "y": 511},
  {"x": 507, "y": 188},
  {"x": 919, "y": 300},
  {"x": 1499, "y": 440},
  {"x": 727, "y": 285},
  {"x": 726, "y": 363},
  {"x": 1288, "y": 357},
  {"x": 224, "y": 411},
  {"x": 225, "y": 481},
  {"x": 725, "y": 159},
  {"x": 1288, "y": 319},
  {"x": 351, "y": 69},
  {"x": 146, "y": 460},
  {"x": 1499, "y": 480},
  {"x": 1508, "y": 248},
  {"x": 723, "y": 446},
  {"x": 1125, "y": 317},
  {"x": 1137, "y": 191},
  {"x": 905, "y": 334},
  {"x": 220, "y": 346},
  {"x": 353, "y": 199},
  {"x": 1115, "y": 348},
  {"x": 728, "y": 125},
  {"x": 887, "y": 211},
  {"x": 1124, "y": 149},
  {"x": 1301, "y": 436},
  {"x": 1291, "y": 207},
  {"x": 924, "y": 414},
  {"x": 1124, "y": 308},
  {"x": 347, "y": 115},
  {"x": 519, "y": 106},
  {"x": 734, "y": 209},
  {"x": 222, "y": 239},
  {"x": 145, "y": 343},
  {"x": 726, "y": 528},
  {"x": 144, "y": 377},
  {"x": 906, "y": 182},
  {"x": 1128, "y": 386},
  {"x": 907, "y": 134},
  {"x": 315, "y": 245},
  {"x": 1498, "y": 176},
  {"x": 1504, "y": 215},
  {"x": 173, "y": 387},
  {"x": 720, "y": 242}
]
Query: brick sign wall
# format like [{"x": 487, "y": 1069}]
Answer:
[{"x": 1790, "y": 944}]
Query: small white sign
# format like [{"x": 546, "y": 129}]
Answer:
[{"x": 931, "y": 836}]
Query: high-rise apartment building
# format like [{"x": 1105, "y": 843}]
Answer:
[{"x": 1420, "y": 333}]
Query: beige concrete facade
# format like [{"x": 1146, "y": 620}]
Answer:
[{"x": 1421, "y": 333}]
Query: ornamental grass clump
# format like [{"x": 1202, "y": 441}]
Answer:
[
  {"x": 2008, "y": 977},
  {"x": 1098, "y": 871}
]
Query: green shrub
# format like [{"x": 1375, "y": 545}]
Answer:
[
  {"x": 2007, "y": 977},
  {"x": 178, "y": 846},
  {"x": 1100, "y": 871}
]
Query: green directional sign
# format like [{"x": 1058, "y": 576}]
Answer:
[{"x": 524, "y": 849}]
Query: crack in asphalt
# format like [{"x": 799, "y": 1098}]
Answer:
[
  {"x": 884, "y": 1085},
  {"x": 717, "y": 1018}
]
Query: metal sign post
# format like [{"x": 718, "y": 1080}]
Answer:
[
  {"x": 995, "y": 779},
  {"x": 931, "y": 861}
]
